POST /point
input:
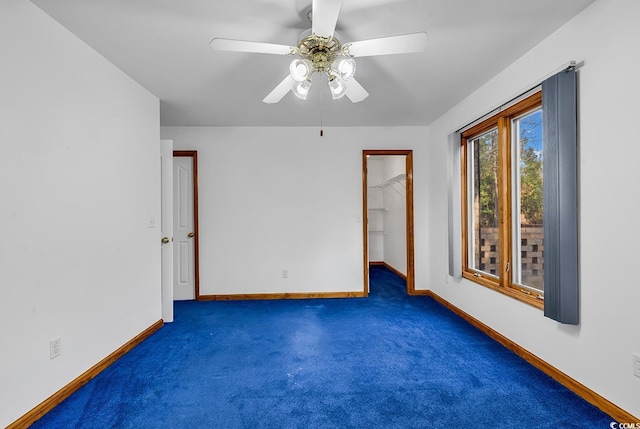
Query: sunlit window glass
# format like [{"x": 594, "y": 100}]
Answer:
[
  {"x": 528, "y": 240},
  {"x": 483, "y": 203}
]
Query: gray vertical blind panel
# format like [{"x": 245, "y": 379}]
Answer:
[
  {"x": 454, "y": 205},
  {"x": 561, "y": 277}
]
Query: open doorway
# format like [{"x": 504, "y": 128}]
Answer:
[{"x": 387, "y": 184}]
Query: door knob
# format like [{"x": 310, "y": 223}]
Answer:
[
  {"x": 165, "y": 240},
  {"x": 191, "y": 235}
]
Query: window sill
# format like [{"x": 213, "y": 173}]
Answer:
[{"x": 512, "y": 292}]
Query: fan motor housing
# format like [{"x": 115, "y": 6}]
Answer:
[{"x": 321, "y": 51}]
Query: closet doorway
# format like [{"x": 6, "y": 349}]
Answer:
[{"x": 387, "y": 208}]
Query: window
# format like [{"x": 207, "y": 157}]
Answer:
[{"x": 502, "y": 201}]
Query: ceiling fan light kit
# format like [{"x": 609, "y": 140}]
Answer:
[
  {"x": 301, "y": 90},
  {"x": 319, "y": 50},
  {"x": 338, "y": 89},
  {"x": 346, "y": 68},
  {"x": 300, "y": 69}
]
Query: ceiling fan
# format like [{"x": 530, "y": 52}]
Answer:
[{"x": 319, "y": 50}]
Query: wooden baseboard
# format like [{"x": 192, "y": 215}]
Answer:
[
  {"x": 389, "y": 267},
  {"x": 398, "y": 273},
  {"x": 266, "y": 296},
  {"x": 48, "y": 404},
  {"x": 576, "y": 387}
]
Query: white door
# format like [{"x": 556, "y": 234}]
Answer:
[
  {"x": 183, "y": 229},
  {"x": 166, "y": 210}
]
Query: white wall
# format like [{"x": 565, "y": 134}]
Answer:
[
  {"x": 395, "y": 220},
  {"x": 79, "y": 174},
  {"x": 597, "y": 352},
  {"x": 285, "y": 198}
]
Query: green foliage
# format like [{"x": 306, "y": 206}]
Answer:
[
  {"x": 487, "y": 147},
  {"x": 531, "y": 185},
  {"x": 531, "y": 199}
]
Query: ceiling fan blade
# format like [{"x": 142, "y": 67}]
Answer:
[
  {"x": 255, "y": 47},
  {"x": 355, "y": 91},
  {"x": 403, "y": 44},
  {"x": 324, "y": 16},
  {"x": 281, "y": 90}
]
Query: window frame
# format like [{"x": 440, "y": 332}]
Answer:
[{"x": 503, "y": 280}]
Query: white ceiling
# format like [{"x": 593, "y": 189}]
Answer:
[{"x": 164, "y": 45}]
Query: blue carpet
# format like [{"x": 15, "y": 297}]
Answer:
[{"x": 386, "y": 361}]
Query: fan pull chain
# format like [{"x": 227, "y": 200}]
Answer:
[{"x": 321, "y": 130}]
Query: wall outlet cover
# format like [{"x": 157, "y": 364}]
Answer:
[{"x": 55, "y": 348}]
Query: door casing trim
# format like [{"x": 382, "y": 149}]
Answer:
[{"x": 408, "y": 153}]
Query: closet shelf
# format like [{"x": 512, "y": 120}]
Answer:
[
  {"x": 397, "y": 179},
  {"x": 382, "y": 209}
]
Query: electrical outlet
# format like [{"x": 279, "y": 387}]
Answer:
[
  {"x": 55, "y": 348},
  {"x": 285, "y": 274},
  {"x": 636, "y": 365}
]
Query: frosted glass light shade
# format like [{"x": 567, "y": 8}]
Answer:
[
  {"x": 346, "y": 68},
  {"x": 301, "y": 90},
  {"x": 299, "y": 70},
  {"x": 338, "y": 90}
]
